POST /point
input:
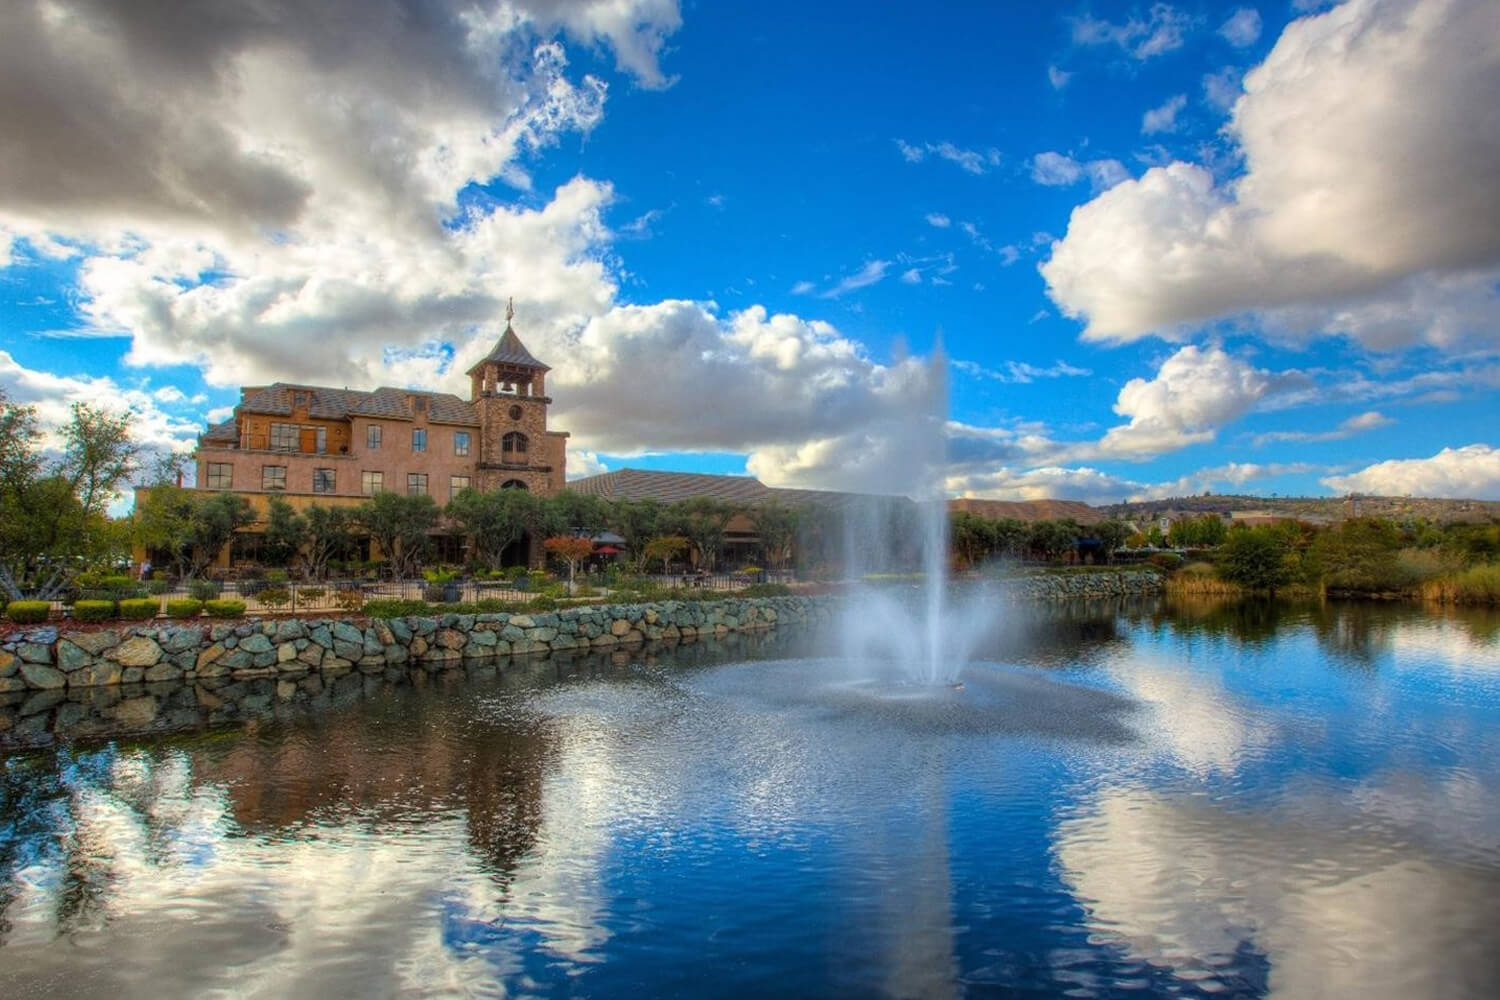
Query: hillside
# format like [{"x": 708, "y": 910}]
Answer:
[
  {"x": 1030, "y": 510},
  {"x": 1312, "y": 508}
]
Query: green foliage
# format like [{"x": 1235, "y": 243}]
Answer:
[
  {"x": 636, "y": 521},
  {"x": 220, "y": 608},
  {"x": 666, "y": 548},
  {"x": 329, "y": 537},
  {"x": 1168, "y": 561},
  {"x": 765, "y": 590},
  {"x": 570, "y": 513},
  {"x": 702, "y": 520},
  {"x": 1475, "y": 585},
  {"x": 93, "y": 611},
  {"x": 203, "y": 590},
  {"x": 28, "y": 612},
  {"x": 192, "y": 526},
  {"x": 184, "y": 607},
  {"x": 1050, "y": 540},
  {"x": 1360, "y": 556},
  {"x": 1201, "y": 532},
  {"x": 274, "y": 597},
  {"x": 395, "y": 608},
  {"x": 139, "y": 609},
  {"x": 441, "y": 576},
  {"x": 157, "y": 588},
  {"x": 1258, "y": 558},
  {"x": 310, "y": 594},
  {"x": 400, "y": 525},
  {"x": 777, "y": 525},
  {"x": 495, "y": 520},
  {"x": 1111, "y": 534},
  {"x": 285, "y": 533},
  {"x": 349, "y": 598},
  {"x": 53, "y": 511}
]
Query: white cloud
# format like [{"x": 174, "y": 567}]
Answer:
[
  {"x": 803, "y": 288},
  {"x": 938, "y": 221},
  {"x": 1045, "y": 483},
  {"x": 871, "y": 273},
  {"x": 1019, "y": 372},
  {"x": 640, "y": 228},
  {"x": 911, "y": 276},
  {"x": 168, "y": 394},
  {"x": 582, "y": 462},
  {"x": 1194, "y": 393},
  {"x": 1058, "y": 78},
  {"x": 1357, "y": 424},
  {"x": 973, "y": 161},
  {"x": 1164, "y": 117},
  {"x": 1242, "y": 28},
  {"x": 1058, "y": 170},
  {"x": 1471, "y": 473},
  {"x": 1367, "y": 194},
  {"x": 1162, "y": 30},
  {"x": 1223, "y": 88}
]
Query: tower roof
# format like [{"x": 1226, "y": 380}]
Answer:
[{"x": 510, "y": 351}]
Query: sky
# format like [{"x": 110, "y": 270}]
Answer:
[{"x": 1164, "y": 248}]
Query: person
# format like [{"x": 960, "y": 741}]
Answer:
[{"x": 146, "y": 569}]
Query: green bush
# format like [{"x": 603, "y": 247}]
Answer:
[
  {"x": 1168, "y": 561},
  {"x": 184, "y": 607},
  {"x": 158, "y": 587},
  {"x": 203, "y": 590},
  {"x": 349, "y": 598},
  {"x": 543, "y": 603},
  {"x": 274, "y": 597},
  {"x": 766, "y": 590},
  {"x": 396, "y": 608},
  {"x": 93, "y": 611},
  {"x": 310, "y": 593},
  {"x": 276, "y": 576},
  {"x": 224, "y": 608},
  {"x": 27, "y": 612},
  {"x": 139, "y": 609}
]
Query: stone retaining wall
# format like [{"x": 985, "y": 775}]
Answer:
[
  {"x": 1085, "y": 584},
  {"x": 49, "y": 658}
]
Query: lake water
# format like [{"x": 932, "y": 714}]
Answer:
[{"x": 1123, "y": 800}]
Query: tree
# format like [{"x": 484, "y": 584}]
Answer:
[
  {"x": 1256, "y": 558},
  {"x": 53, "y": 512},
  {"x": 329, "y": 536},
  {"x": 1111, "y": 535},
  {"x": 400, "y": 526},
  {"x": 570, "y": 513},
  {"x": 776, "y": 524},
  {"x": 285, "y": 534},
  {"x": 572, "y": 550},
  {"x": 1010, "y": 535},
  {"x": 496, "y": 520},
  {"x": 666, "y": 548},
  {"x": 635, "y": 521},
  {"x": 1201, "y": 532},
  {"x": 972, "y": 537},
  {"x": 191, "y": 527},
  {"x": 1050, "y": 539},
  {"x": 702, "y": 520}
]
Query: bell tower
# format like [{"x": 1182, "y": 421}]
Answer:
[{"x": 509, "y": 392}]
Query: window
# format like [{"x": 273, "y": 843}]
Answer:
[
  {"x": 273, "y": 477},
  {"x": 220, "y": 475},
  {"x": 416, "y": 484},
  {"x": 323, "y": 481},
  {"x": 513, "y": 447},
  {"x": 456, "y": 485},
  {"x": 419, "y": 439},
  {"x": 371, "y": 483},
  {"x": 372, "y": 437},
  {"x": 460, "y": 443},
  {"x": 513, "y": 484},
  {"x": 283, "y": 437}
]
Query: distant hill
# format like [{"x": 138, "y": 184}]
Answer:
[
  {"x": 1030, "y": 510},
  {"x": 1312, "y": 508}
]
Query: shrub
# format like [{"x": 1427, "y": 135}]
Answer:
[
  {"x": 184, "y": 607},
  {"x": 543, "y": 603},
  {"x": 395, "y": 608},
  {"x": 276, "y": 576},
  {"x": 93, "y": 611},
  {"x": 1475, "y": 585},
  {"x": 766, "y": 590},
  {"x": 311, "y": 593},
  {"x": 158, "y": 587},
  {"x": 27, "y": 612},
  {"x": 203, "y": 590},
  {"x": 224, "y": 608},
  {"x": 349, "y": 598},
  {"x": 274, "y": 597},
  {"x": 139, "y": 609},
  {"x": 1165, "y": 560}
]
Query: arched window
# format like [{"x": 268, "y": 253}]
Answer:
[
  {"x": 513, "y": 447},
  {"x": 513, "y": 484}
]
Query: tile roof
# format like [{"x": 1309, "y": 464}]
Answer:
[
  {"x": 510, "y": 351},
  {"x": 341, "y": 404},
  {"x": 671, "y": 487},
  {"x": 223, "y": 433}
]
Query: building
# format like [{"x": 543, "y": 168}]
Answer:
[{"x": 316, "y": 444}]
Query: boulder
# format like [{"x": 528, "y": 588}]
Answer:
[
  {"x": 39, "y": 675},
  {"x": 93, "y": 643},
  {"x": 137, "y": 651}
]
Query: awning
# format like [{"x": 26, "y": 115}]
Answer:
[{"x": 606, "y": 550}]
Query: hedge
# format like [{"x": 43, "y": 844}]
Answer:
[
  {"x": 27, "y": 612},
  {"x": 224, "y": 608},
  {"x": 184, "y": 607},
  {"x": 93, "y": 611},
  {"x": 139, "y": 609}
]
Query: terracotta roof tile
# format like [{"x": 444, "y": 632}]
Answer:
[{"x": 341, "y": 404}]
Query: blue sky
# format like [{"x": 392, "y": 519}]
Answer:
[{"x": 1167, "y": 247}]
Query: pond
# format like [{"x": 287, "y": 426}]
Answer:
[{"x": 1121, "y": 800}]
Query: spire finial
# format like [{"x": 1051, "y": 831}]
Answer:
[{"x": 510, "y": 310}]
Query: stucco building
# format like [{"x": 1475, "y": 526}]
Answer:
[{"x": 317, "y": 444}]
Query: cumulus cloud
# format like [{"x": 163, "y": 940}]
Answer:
[
  {"x": 1371, "y": 155},
  {"x": 1242, "y": 28},
  {"x": 1162, "y": 29},
  {"x": 1471, "y": 473},
  {"x": 1223, "y": 87},
  {"x": 938, "y": 220},
  {"x": 1195, "y": 392},
  {"x": 582, "y": 462},
  {"x": 1164, "y": 117}
]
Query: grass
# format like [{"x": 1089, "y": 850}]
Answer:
[
  {"x": 1475, "y": 585},
  {"x": 1199, "y": 579}
]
